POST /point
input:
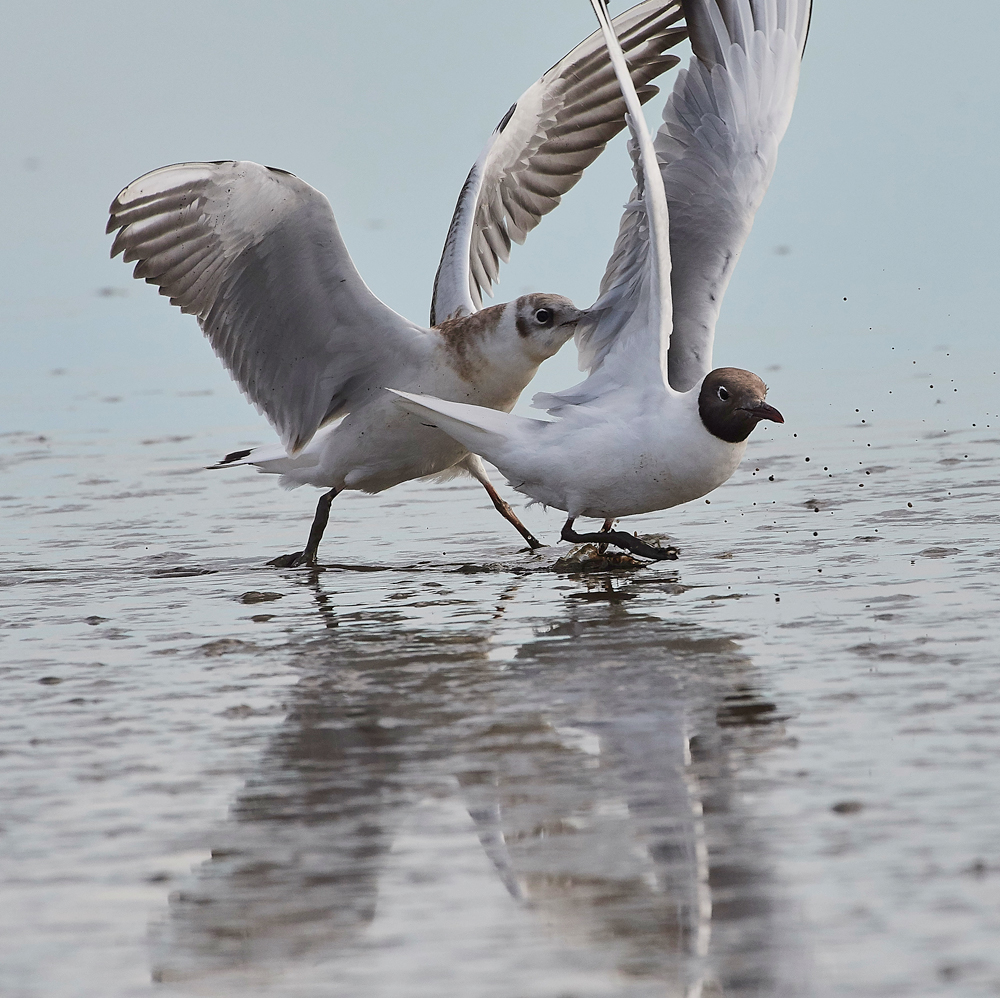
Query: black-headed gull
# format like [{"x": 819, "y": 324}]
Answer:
[
  {"x": 256, "y": 255},
  {"x": 653, "y": 426}
]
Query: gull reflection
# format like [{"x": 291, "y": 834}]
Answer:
[{"x": 603, "y": 774}]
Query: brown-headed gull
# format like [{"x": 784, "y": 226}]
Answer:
[
  {"x": 256, "y": 255},
  {"x": 653, "y": 425}
]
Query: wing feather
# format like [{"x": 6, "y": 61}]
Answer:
[
  {"x": 632, "y": 319},
  {"x": 256, "y": 255},
  {"x": 717, "y": 150},
  {"x": 557, "y": 128}
]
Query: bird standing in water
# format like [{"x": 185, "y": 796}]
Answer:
[
  {"x": 256, "y": 255},
  {"x": 654, "y": 425}
]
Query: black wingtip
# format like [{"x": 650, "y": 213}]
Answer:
[
  {"x": 506, "y": 118},
  {"x": 235, "y": 456},
  {"x": 805, "y": 40}
]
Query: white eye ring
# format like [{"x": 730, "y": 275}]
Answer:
[
  {"x": 723, "y": 393},
  {"x": 543, "y": 316}
]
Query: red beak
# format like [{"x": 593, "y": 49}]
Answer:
[{"x": 764, "y": 411}]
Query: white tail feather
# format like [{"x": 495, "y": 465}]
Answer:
[{"x": 483, "y": 431}]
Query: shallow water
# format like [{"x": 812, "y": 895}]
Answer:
[{"x": 442, "y": 767}]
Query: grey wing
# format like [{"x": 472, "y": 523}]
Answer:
[
  {"x": 256, "y": 255},
  {"x": 718, "y": 146},
  {"x": 540, "y": 149},
  {"x": 717, "y": 150}
]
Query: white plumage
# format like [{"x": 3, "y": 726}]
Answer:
[
  {"x": 256, "y": 255},
  {"x": 653, "y": 426}
]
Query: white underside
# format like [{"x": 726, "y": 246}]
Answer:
[
  {"x": 372, "y": 450},
  {"x": 626, "y": 454}
]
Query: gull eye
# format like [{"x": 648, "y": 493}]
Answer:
[
  {"x": 723, "y": 393},
  {"x": 543, "y": 316}
]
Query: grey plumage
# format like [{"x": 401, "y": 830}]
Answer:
[{"x": 557, "y": 128}]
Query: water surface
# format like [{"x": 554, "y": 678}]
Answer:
[{"x": 443, "y": 767}]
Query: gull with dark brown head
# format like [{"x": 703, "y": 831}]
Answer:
[
  {"x": 653, "y": 425},
  {"x": 255, "y": 254}
]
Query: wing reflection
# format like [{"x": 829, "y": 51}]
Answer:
[{"x": 607, "y": 769}]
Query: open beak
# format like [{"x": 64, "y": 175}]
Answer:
[{"x": 764, "y": 411}]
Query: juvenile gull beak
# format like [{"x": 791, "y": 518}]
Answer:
[{"x": 764, "y": 411}]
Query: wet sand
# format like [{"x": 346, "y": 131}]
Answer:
[{"x": 443, "y": 767}]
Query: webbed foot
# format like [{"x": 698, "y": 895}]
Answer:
[
  {"x": 297, "y": 559},
  {"x": 622, "y": 540}
]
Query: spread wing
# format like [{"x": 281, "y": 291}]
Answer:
[
  {"x": 540, "y": 149},
  {"x": 717, "y": 150},
  {"x": 627, "y": 331},
  {"x": 256, "y": 255}
]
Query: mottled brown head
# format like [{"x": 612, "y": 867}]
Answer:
[
  {"x": 545, "y": 322},
  {"x": 731, "y": 404}
]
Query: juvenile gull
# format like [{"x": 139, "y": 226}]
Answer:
[
  {"x": 256, "y": 255},
  {"x": 653, "y": 425}
]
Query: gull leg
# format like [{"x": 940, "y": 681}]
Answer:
[
  {"x": 320, "y": 520},
  {"x": 620, "y": 539},
  {"x": 478, "y": 472},
  {"x": 503, "y": 508}
]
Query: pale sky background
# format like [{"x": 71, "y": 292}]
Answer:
[{"x": 884, "y": 192}]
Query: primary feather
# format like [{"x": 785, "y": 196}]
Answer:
[
  {"x": 256, "y": 255},
  {"x": 717, "y": 150},
  {"x": 540, "y": 149}
]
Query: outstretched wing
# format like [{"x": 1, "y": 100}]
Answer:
[
  {"x": 256, "y": 255},
  {"x": 719, "y": 145},
  {"x": 717, "y": 149},
  {"x": 627, "y": 331},
  {"x": 540, "y": 149}
]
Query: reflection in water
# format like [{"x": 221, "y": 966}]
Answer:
[{"x": 604, "y": 768}]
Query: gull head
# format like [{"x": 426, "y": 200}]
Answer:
[
  {"x": 731, "y": 403},
  {"x": 542, "y": 323},
  {"x": 497, "y": 350}
]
